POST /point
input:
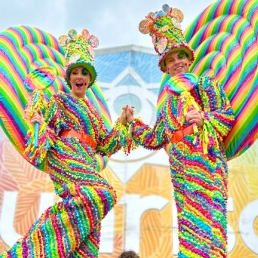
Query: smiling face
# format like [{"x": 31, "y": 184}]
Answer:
[
  {"x": 79, "y": 80},
  {"x": 177, "y": 62}
]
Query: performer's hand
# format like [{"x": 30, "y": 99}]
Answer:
[
  {"x": 127, "y": 115},
  {"x": 194, "y": 116},
  {"x": 37, "y": 118},
  {"x": 122, "y": 118},
  {"x": 130, "y": 113},
  {"x": 27, "y": 109}
]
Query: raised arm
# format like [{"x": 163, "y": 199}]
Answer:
[{"x": 144, "y": 135}]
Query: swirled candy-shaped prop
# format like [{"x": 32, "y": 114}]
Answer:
[
  {"x": 28, "y": 57},
  {"x": 41, "y": 78}
]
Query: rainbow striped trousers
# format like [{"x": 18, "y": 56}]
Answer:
[{"x": 69, "y": 228}]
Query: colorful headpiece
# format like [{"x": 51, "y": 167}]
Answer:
[
  {"x": 79, "y": 51},
  {"x": 165, "y": 29}
]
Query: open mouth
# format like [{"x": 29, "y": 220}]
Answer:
[{"x": 79, "y": 85}]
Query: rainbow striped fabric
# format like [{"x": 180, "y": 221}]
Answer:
[
  {"x": 71, "y": 227},
  {"x": 199, "y": 180}
]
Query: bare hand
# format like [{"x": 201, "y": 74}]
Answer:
[
  {"x": 27, "y": 109},
  {"x": 127, "y": 114},
  {"x": 37, "y": 118},
  {"x": 122, "y": 118},
  {"x": 130, "y": 113},
  {"x": 194, "y": 116}
]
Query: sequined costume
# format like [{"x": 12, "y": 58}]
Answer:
[
  {"x": 199, "y": 180},
  {"x": 71, "y": 227}
]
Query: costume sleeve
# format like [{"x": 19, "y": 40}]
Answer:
[
  {"x": 218, "y": 114},
  {"x": 110, "y": 142},
  {"x": 148, "y": 137},
  {"x": 47, "y": 135}
]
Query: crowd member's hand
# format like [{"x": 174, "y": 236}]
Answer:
[{"x": 194, "y": 116}]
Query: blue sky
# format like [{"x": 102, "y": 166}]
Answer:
[{"x": 114, "y": 22}]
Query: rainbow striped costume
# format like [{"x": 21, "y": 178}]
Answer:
[
  {"x": 197, "y": 163},
  {"x": 71, "y": 227}
]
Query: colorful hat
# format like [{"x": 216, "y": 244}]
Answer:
[
  {"x": 165, "y": 29},
  {"x": 79, "y": 51}
]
